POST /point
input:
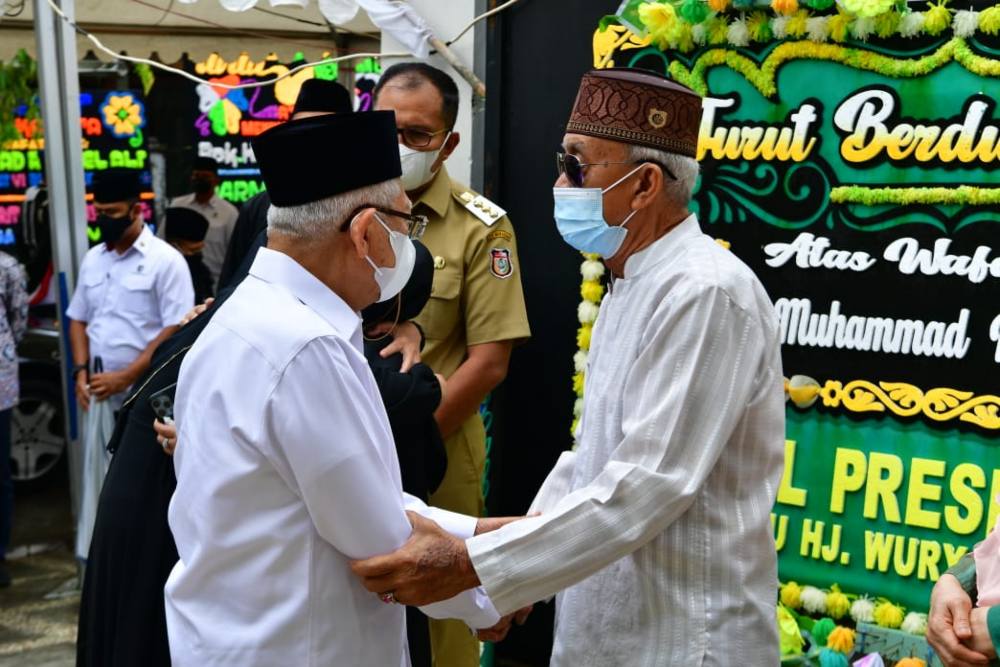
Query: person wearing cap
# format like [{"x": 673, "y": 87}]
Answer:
[
  {"x": 185, "y": 229},
  {"x": 655, "y": 532},
  {"x": 285, "y": 461},
  {"x": 316, "y": 97},
  {"x": 221, "y": 215},
  {"x": 131, "y": 293},
  {"x": 476, "y": 313}
]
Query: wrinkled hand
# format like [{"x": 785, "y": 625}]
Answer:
[
  {"x": 499, "y": 631},
  {"x": 82, "y": 391},
  {"x": 948, "y": 624},
  {"x": 197, "y": 310},
  {"x": 405, "y": 340},
  {"x": 104, "y": 385},
  {"x": 980, "y": 641},
  {"x": 166, "y": 435},
  {"x": 432, "y": 566}
]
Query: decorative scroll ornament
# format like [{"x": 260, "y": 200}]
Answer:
[{"x": 904, "y": 400}]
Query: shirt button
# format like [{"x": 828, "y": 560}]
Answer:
[{"x": 439, "y": 262}]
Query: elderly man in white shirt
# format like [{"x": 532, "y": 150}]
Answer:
[
  {"x": 286, "y": 467},
  {"x": 132, "y": 291},
  {"x": 221, "y": 215},
  {"x": 656, "y": 531}
]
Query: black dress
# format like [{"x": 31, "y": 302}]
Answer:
[{"x": 410, "y": 401}]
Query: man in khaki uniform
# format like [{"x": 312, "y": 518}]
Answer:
[{"x": 476, "y": 311}]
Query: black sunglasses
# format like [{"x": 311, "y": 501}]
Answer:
[
  {"x": 416, "y": 224},
  {"x": 571, "y": 166}
]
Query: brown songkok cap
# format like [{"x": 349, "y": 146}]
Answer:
[{"x": 639, "y": 107}]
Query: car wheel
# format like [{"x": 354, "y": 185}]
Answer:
[{"x": 38, "y": 432}]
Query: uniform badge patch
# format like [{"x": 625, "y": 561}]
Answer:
[{"x": 500, "y": 264}]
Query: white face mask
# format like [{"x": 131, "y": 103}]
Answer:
[
  {"x": 417, "y": 165},
  {"x": 392, "y": 279}
]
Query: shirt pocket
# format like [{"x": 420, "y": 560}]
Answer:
[
  {"x": 137, "y": 294},
  {"x": 440, "y": 316},
  {"x": 95, "y": 288}
]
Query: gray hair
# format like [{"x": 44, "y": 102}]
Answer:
[
  {"x": 317, "y": 219},
  {"x": 683, "y": 167}
]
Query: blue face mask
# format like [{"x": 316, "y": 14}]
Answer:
[{"x": 579, "y": 214}]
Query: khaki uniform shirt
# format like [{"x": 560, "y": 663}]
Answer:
[{"x": 476, "y": 295}]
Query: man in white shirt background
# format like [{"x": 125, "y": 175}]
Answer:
[
  {"x": 132, "y": 291},
  {"x": 221, "y": 215},
  {"x": 655, "y": 532},
  {"x": 285, "y": 462}
]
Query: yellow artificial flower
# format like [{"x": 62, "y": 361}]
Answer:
[
  {"x": 791, "y": 595},
  {"x": 660, "y": 19},
  {"x": 837, "y": 603},
  {"x": 797, "y": 25},
  {"x": 592, "y": 291},
  {"x": 583, "y": 336},
  {"x": 989, "y": 20},
  {"x": 888, "y": 615},
  {"x": 789, "y": 635},
  {"x": 122, "y": 115},
  {"x": 937, "y": 18}
]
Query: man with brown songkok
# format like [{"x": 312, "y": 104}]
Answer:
[{"x": 655, "y": 532}]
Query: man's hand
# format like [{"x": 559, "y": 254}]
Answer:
[
  {"x": 104, "y": 385},
  {"x": 981, "y": 642},
  {"x": 499, "y": 631},
  {"x": 166, "y": 436},
  {"x": 489, "y": 524},
  {"x": 948, "y": 625},
  {"x": 197, "y": 310},
  {"x": 82, "y": 391},
  {"x": 432, "y": 566},
  {"x": 405, "y": 340}
]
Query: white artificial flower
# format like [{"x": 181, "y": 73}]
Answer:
[
  {"x": 592, "y": 270},
  {"x": 965, "y": 23},
  {"x": 912, "y": 24},
  {"x": 813, "y": 600},
  {"x": 915, "y": 623},
  {"x": 818, "y": 28},
  {"x": 738, "y": 34},
  {"x": 779, "y": 26},
  {"x": 580, "y": 361},
  {"x": 587, "y": 312},
  {"x": 863, "y": 610},
  {"x": 863, "y": 27}
]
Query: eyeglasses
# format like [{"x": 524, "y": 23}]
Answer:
[
  {"x": 415, "y": 224},
  {"x": 571, "y": 166},
  {"x": 415, "y": 138}
]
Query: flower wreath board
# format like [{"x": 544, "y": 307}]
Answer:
[
  {"x": 849, "y": 155},
  {"x": 111, "y": 129}
]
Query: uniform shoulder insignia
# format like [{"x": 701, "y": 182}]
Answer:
[{"x": 481, "y": 207}]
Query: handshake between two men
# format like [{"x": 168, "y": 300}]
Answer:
[{"x": 433, "y": 565}]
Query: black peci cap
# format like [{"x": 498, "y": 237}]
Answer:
[
  {"x": 322, "y": 95},
  {"x": 116, "y": 185},
  {"x": 303, "y": 161}
]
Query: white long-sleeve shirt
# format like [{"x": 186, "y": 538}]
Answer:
[
  {"x": 286, "y": 470},
  {"x": 657, "y": 529}
]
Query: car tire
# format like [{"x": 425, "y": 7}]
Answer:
[{"x": 38, "y": 438}]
